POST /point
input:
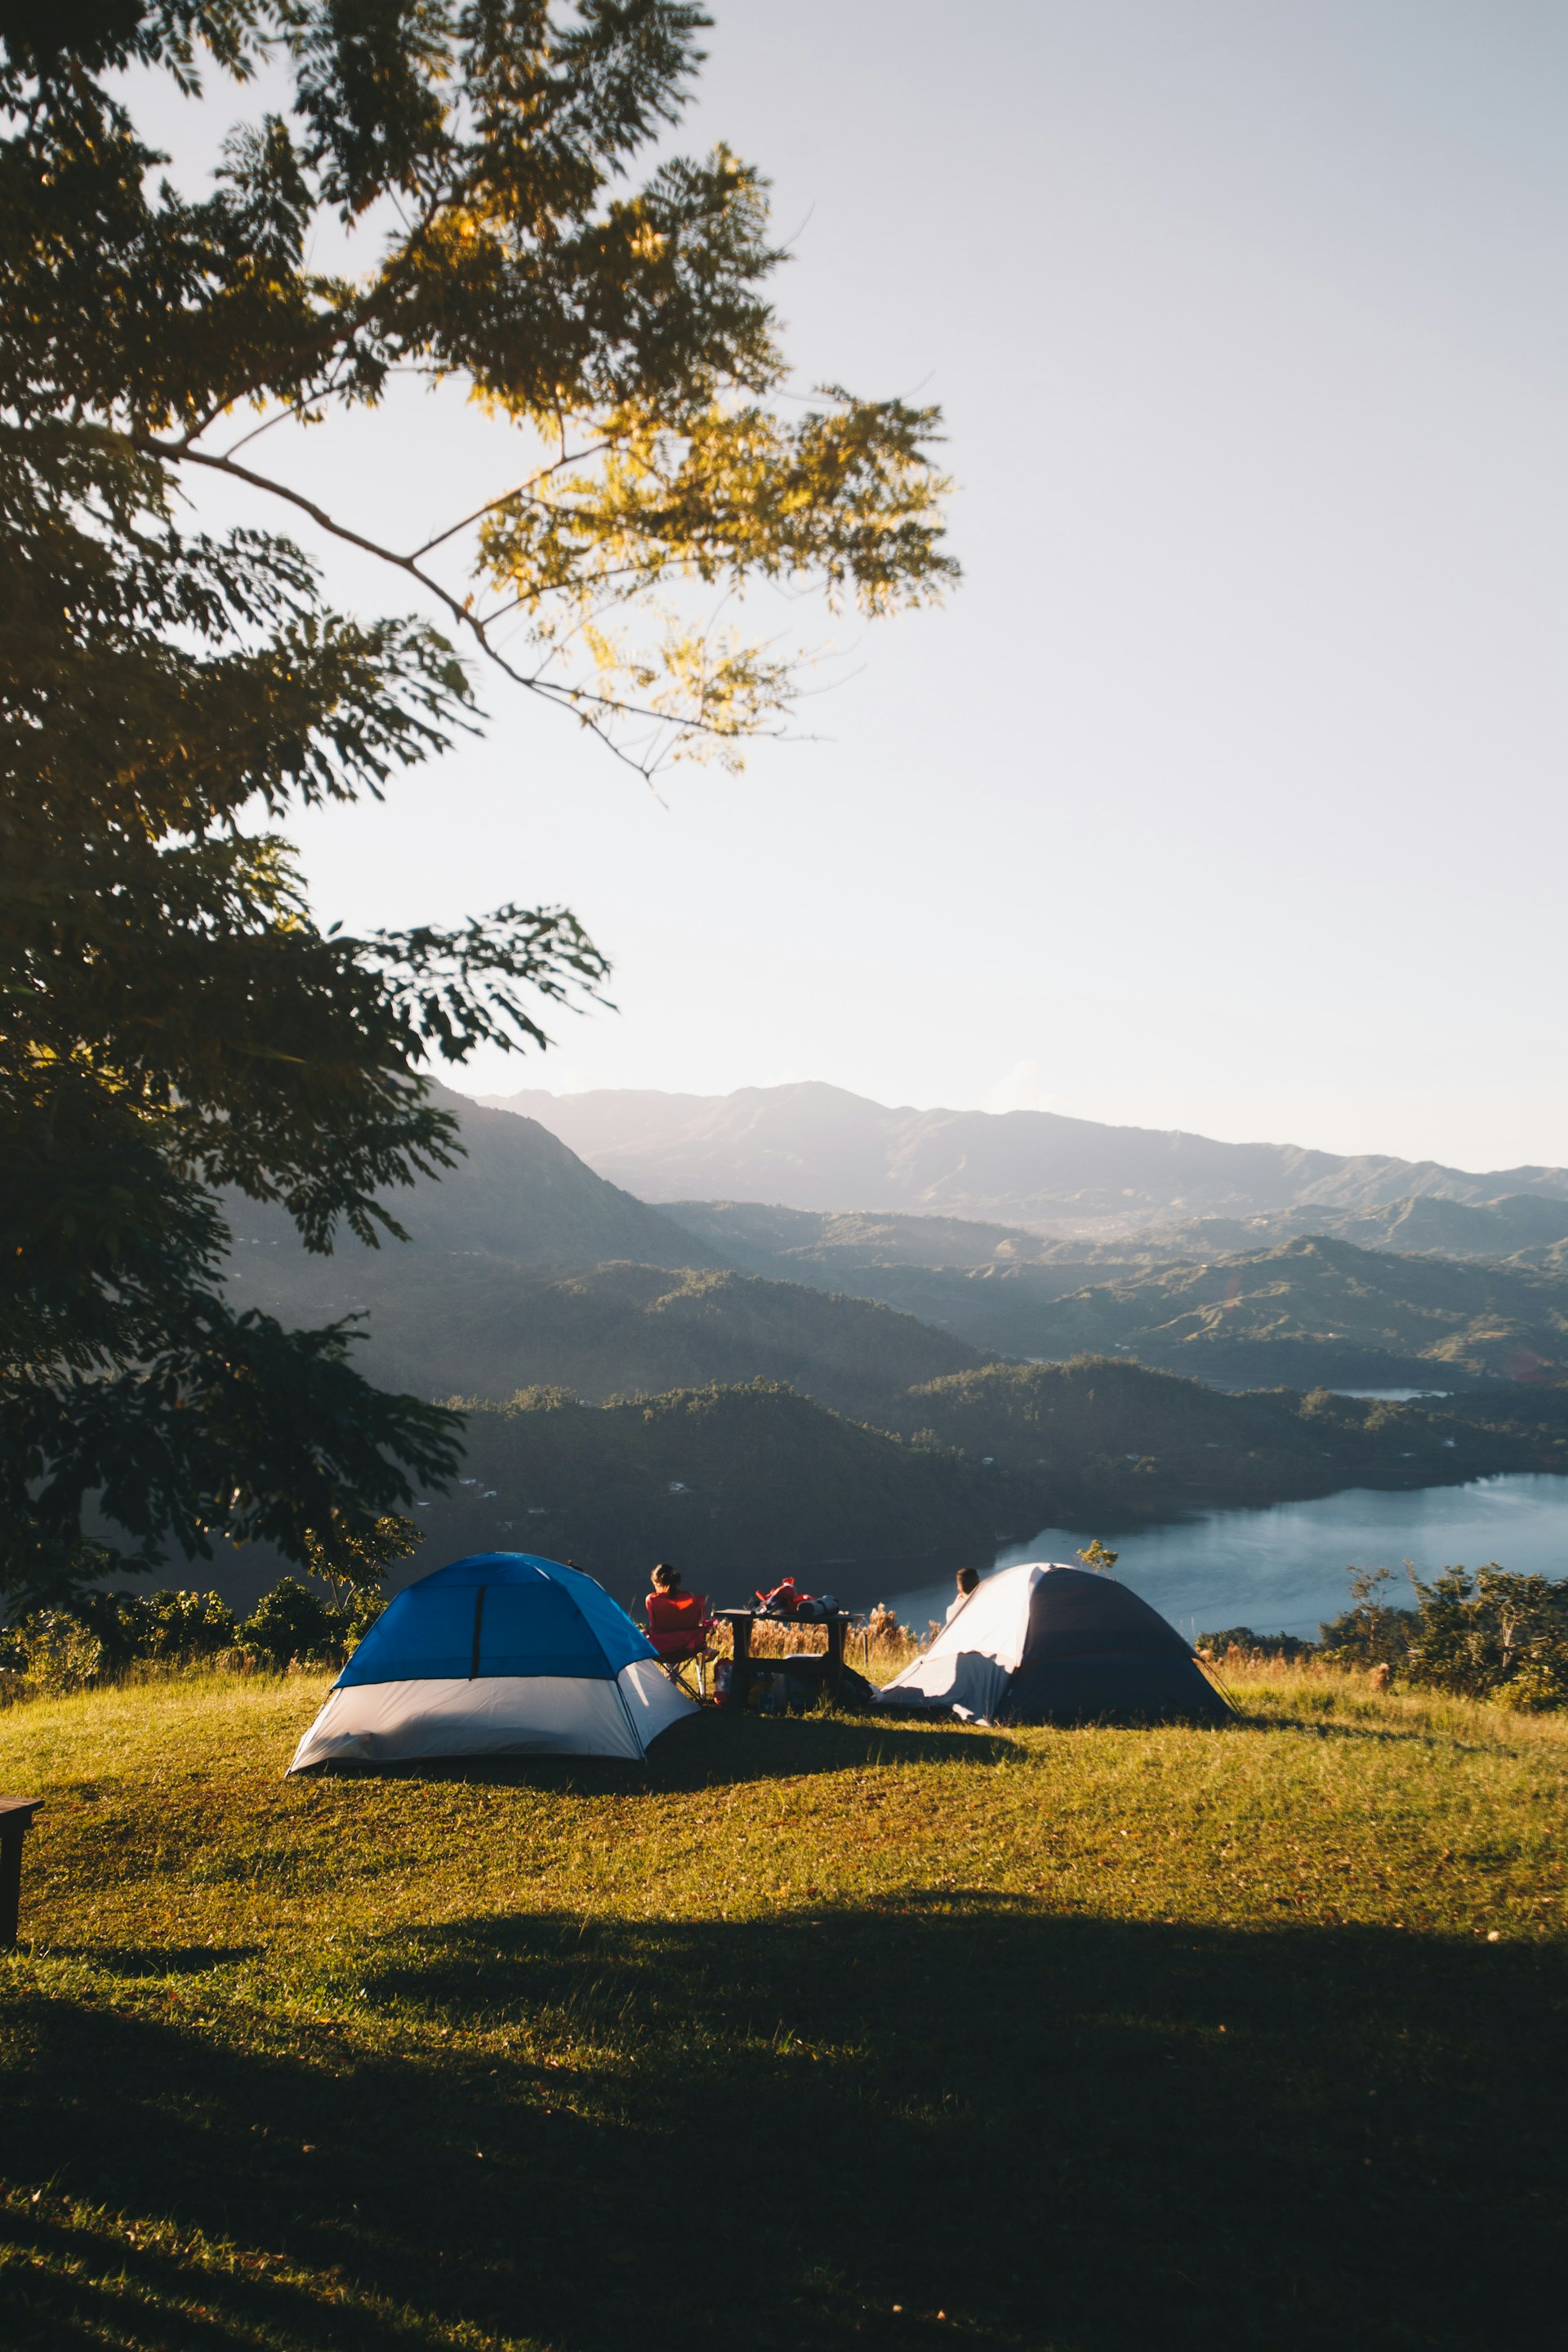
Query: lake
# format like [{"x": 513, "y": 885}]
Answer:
[{"x": 1282, "y": 1570}]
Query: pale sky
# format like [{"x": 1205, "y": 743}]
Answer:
[{"x": 1228, "y": 792}]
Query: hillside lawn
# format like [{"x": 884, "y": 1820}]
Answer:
[{"x": 818, "y": 2032}]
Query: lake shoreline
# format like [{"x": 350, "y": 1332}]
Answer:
[{"x": 1282, "y": 1568}]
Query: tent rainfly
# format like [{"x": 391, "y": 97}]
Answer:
[
  {"x": 1047, "y": 1643},
  {"x": 502, "y": 1654}
]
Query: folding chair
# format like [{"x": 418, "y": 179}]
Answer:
[{"x": 678, "y": 1627}]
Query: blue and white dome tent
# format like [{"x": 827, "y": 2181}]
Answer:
[{"x": 501, "y": 1655}]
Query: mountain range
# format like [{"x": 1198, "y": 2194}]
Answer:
[
  {"x": 811, "y": 1146},
  {"x": 1317, "y": 1311},
  {"x": 1222, "y": 1297},
  {"x": 523, "y": 1268},
  {"x": 527, "y": 1268},
  {"x": 1519, "y": 1229},
  {"x": 754, "y": 1386}
]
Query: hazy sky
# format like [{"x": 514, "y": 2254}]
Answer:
[{"x": 1228, "y": 791}]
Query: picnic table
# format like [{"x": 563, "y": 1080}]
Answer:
[
  {"x": 15, "y": 1820},
  {"x": 837, "y": 1623}
]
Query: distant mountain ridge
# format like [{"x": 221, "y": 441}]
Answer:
[
  {"x": 1520, "y": 1229},
  {"x": 998, "y": 1287},
  {"x": 518, "y": 1193},
  {"x": 812, "y": 1146},
  {"x": 1307, "y": 1309},
  {"x": 1224, "y": 1299},
  {"x": 525, "y": 1269}
]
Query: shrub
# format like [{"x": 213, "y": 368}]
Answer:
[
  {"x": 1491, "y": 1635},
  {"x": 885, "y": 1631},
  {"x": 105, "y": 1632},
  {"x": 292, "y": 1623},
  {"x": 60, "y": 1653},
  {"x": 177, "y": 1627}
]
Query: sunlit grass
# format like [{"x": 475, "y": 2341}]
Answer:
[{"x": 829, "y": 1978}]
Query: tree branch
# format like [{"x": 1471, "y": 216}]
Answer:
[
  {"x": 540, "y": 473},
  {"x": 591, "y": 708}
]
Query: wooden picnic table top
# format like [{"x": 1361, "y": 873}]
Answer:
[
  {"x": 766, "y": 1616},
  {"x": 11, "y": 1806}
]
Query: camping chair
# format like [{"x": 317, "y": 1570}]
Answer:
[{"x": 678, "y": 1627}]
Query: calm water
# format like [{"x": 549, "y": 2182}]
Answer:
[{"x": 1282, "y": 1570}]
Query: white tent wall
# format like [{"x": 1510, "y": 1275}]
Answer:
[
  {"x": 974, "y": 1657},
  {"x": 502, "y": 1715},
  {"x": 653, "y": 1701}
]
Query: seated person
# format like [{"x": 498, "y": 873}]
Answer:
[
  {"x": 670, "y": 1611},
  {"x": 666, "y": 1582},
  {"x": 968, "y": 1582}
]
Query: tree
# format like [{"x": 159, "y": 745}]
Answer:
[
  {"x": 1486, "y": 1633},
  {"x": 175, "y": 1021},
  {"x": 1372, "y": 1631}
]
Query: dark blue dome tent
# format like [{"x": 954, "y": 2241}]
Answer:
[
  {"x": 501, "y": 1655},
  {"x": 1047, "y": 1643}
]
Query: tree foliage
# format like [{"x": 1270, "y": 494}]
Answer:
[
  {"x": 625, "y": 334},
  {"x": 175, "y": 1022},
  {"x": 1487, "y": 1633},
  {"x": 1372, "y": 1631},
  {"x": 1484, "y": 1634}
]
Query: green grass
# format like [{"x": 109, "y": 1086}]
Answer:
[{"x": 820, "y": 2032}]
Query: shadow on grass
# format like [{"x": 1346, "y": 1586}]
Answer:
[
  {"x": 1331, "y": 1726},
  {"x": 1068, "y": 2135},
  {"x": 712, "y": 1748},
  {"x": 168, "y": 1961}
]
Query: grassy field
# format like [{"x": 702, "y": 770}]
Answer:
[{"x": 819, "y": 2033}]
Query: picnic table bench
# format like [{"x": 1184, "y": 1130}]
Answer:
[
  {"x": 835, "y": 1624},
  {"x": 15, "y": 1820}
]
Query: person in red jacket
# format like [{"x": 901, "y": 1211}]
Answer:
[
  {"x": 675, "y": 1622},
  {"x": 666, "y": 1582}
]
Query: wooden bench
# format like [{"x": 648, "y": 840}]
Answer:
[{"x": 15, "y": 1820}]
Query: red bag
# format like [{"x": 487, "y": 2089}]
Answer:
[{"x": 781, "y": 1601}]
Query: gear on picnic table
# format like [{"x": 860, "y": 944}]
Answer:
[{"x": 787, "y": 1602}]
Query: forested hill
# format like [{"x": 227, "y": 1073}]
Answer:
[
  {"x": 766, "y": 1238},
  {"x": 1315, "y": 1308},
  {"x": 518, "y": 1193},
  {"x": 1522, "y": 1228},
  {"x": 1318, "y": 1309},
  {"x": 816, "y": 1147},
  {"x": 484, "y": 1326},
  {"x": 805, "y": 1244},
  {"x": 740, "y": 1483}
]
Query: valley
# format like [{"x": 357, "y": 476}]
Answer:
[
  {"x": 750, "y": 1387},
  {"x": 744, "y": 1482}
]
